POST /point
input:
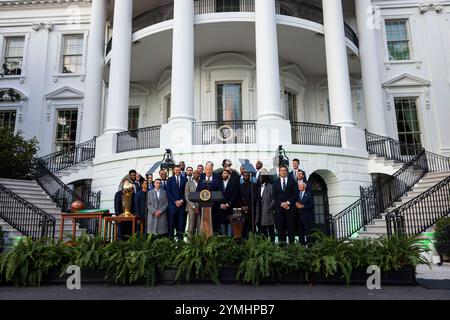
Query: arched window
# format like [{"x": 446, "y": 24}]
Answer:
[{"x": 321, "y": 207}]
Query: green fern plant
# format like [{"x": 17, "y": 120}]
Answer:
[
  {"x": 262, "y": 260},
  {"x": 29, "y": 261},
  {"x": 204, "y": 257}
]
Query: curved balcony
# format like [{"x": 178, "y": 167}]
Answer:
[
  {"x": 291, "y": 8},
  {"x": 231, "y": 132}
]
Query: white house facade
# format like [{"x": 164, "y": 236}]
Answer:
[{"x": 146, "y": 75}]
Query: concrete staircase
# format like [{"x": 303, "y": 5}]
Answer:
[
  {"x": 33, "y": 193},
  {"x": 378, "y": 227},
  {"x": 81, "y": 171}
]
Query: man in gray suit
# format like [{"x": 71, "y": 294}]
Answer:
[
  {"x": 265, "y": 206},
  {"x": 192, "y": 208},
  {"x": 157, "y": 210}
]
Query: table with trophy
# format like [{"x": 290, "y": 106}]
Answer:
[{"x": 111, "y": 223}]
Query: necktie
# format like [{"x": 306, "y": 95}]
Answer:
[
  {"x": 178, "y": 182},
  {"x": 284, "y": 184}
]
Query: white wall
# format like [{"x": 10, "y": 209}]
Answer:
[
  {"x": 429, "y": 66},
  {"x": 40, "y": 59}
]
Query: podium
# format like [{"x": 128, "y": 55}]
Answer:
[{"x": 206, "y": 200}]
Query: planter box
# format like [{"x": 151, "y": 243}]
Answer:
[
  {"x": 405, "y": 276},
  {"x": 87, "y": 277}
]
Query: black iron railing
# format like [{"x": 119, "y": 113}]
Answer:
[
  {"x": 422, "y": 212},
  {"x": 316, "y": 134},
  {"x": 224, "y": 132},
  {"x": 63, "y": 196},
  {"x": 139, "y": 139},
  {"x": 377, "y": 198},
  {"x": 25, "y": 217},
  {"x": 70, "y": 156},
  {"x": 395, "y": 150},
  {"x": 290, "y": 8},
  {"x": 154, "y": 16}
]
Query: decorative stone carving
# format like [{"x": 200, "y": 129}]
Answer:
[{"x": 425, "y": 7}]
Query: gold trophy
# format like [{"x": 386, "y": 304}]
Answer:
[{"x": 127, "y": 198}]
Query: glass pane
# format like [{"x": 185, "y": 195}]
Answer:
[
  {"x": 73, "y": 44},
  {"x": 14, "y": 47},
  {"x": 408, "y": 125},
  {"x": 228, "y": 5},
  {"x": 8, "y": 119},
  {"x": 72, "y": 64},
  {"x": 133, "y": 118},
  {"x": 66, "y": 129},
  {"x": 291, "y": 105},
  {"x": 229, "y": 102}
]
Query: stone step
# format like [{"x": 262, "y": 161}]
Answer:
[
  {"x": 27, "y": 189},
  {"x": 441, "y": 175},
  {"x": 19, "y": 183}
]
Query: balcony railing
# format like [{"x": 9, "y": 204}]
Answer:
[
  {"x": 290, "y": 8},
  {"x": 139, "y": 139},
  {"x": 224, "y": 132},
  {"x": 315, "y": 134}
]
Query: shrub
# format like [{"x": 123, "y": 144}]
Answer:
[
  {"x": 16, "y": 154},
  {"x": 442, "y": 235}
]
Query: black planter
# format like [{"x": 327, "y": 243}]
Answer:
[
  {"x": 228, "y": 275},
  {"x": 166, "y": 276},
  {"x": 404, "y": 276},
  {"x": 87, "y": 277}
]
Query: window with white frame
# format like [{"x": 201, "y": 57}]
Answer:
[
  {"x": 133, "y": 118},
  {"x": 290, "y": 105},
  {"x": 66, "y": 128},
  {"x": 72, "y": 53},
  {"x": 398, "y": 41},
  {"x": 229, "y": 101},
  {"x": 8, "y": 119},
  {"x": 408, "y": 125},
  {"x": 14, "y": 51}
]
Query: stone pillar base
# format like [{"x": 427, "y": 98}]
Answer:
[
  {"x": 176, "y": 134},
  {"x": 106, "y": 145},
  {"x": 353, "y": 138},
  {"x": 273, "y": 133}
]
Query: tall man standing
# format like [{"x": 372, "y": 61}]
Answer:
[
  {"x": 305, "y": 206},
  {"x": 177, "y": 204},
  {"x": 192, "y": 208},
  {"x": 285, "y": 194},
  {"x": 248, "y": 193},
  {"x": 211, "y": 183},
  {"x": 230, "y": 189}
]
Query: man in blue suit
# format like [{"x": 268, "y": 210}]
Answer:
[
  {"x": 177, "y": 203},
  {"x": 305, "y": 207},
  {"x": 211, "y": 183}
]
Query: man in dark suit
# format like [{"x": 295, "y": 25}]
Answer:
[
  {"x": 230, "y": 189},
  {"x": 248, "y": 194},
  {"x": 285, "y": 194},
  {"x": 177, "y": 203},
  {"x": 211, "y": 183},
  {"x": 305, "y": 207},
  {"x": 163, "y": 176},
  {"x": 296, "y": 170}
]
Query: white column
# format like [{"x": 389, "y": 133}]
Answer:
[
  {"x": 339, "y": 88},
  {"x": 267, "y": 65},
  {"x": 90, "y": 125},
  {"x": 182, "y": 97},
  {"x": 373, "y": 94},
  {"x": 178, "y": 132},
  {"x": 119, "y": 81},
  {"x": 337, "y": 64},
  {"x": 119, "y": 78},
  {"x": 272, "y": 128}
]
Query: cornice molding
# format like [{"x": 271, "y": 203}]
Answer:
[{"x": 27, "y": 3}]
